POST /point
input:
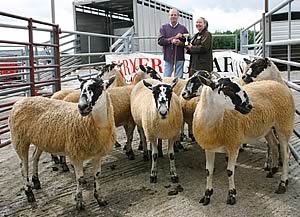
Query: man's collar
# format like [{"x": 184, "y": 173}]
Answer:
[{"x": 172, "y": 25}]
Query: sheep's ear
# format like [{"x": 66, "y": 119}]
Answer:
[
  {"x": 111, "y": 66},
  {"x": 79, "y": 79},
  {"x": 100, "y": 74},
  {"x": 204, "y": 73},
  {"x": 142, "y": 67},
  {"x": 174, "y": 82},
  {"x": 148, "y": 85},
  {"x": 207, "y": 82},
  {"x": 248, "y": 62},
  {"x": 268, "y": 62},
  {"x": 98, "y": 68},
  {"x": 108, "y": 82},
  {"x": 118, "y": 66}
]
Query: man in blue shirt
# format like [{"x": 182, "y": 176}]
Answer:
[{"x": 173, "y": 47}]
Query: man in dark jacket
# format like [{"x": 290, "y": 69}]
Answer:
[
  {"x": 173, "y": 47},
  {"x": 200, "y": 48}
]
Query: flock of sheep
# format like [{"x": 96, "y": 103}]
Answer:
[{"x": 221, "y": 113}]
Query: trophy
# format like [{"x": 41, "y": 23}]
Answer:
[{"x": 187, "y": 38}]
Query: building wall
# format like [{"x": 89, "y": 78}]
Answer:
[{"x": 150, "y": 16}]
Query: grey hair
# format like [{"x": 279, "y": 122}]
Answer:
[{"x": 175, "y": 10}]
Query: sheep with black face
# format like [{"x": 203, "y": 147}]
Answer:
[
  {"x": 157, "y": 112},
  {"x": 220, "y": 123},
  {"x": 81, "y": 131}
]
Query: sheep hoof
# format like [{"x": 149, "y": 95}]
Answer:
[
  {"x": 270, "y": 175},
  {"x": 183, "y": 138},
  {"x": 130, "y": 155},
  {"x": 30, "y": 195},
  {"x": 80, "y": 205},
  {"x": 231, "y": 197},
  {"x": 140, "y": 148},
  {"x": 55, "y": 168},
  {"x": 117, "y": 145},
  {"x": 79, "y": 202},
  {"x": 267, "y": 168},
  {"x": 175, "y": 179},
  {"x": 231, "y": 200},
  {"x": 179, "y": 145},
  {"x": 153, "y": 179},
  {"x": 205, "y": 200},
  {"x": 65, "y": 167},
  {"x": 275, "y": 170},
  {"x": 192, "y": 138},
  {"x": 55, "y": 159},
  {"x": 282, "y": 187},
  {"x": 101, "y": 201},
  {"x": 36, "y": 182}
]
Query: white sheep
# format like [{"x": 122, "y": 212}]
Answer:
[
  {"x": 188, "y": 106},
  {"x": 81, "y": 131},
  {"x": 224, "y": 119},
  {"x": 261, "y": 69},
  {"x": 157, "y": 112},
  {"x": 120, "y": 99},
  {"x": 258, "y": 70}
]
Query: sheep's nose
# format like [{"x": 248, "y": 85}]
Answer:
[{"x": 82, "y": 106}]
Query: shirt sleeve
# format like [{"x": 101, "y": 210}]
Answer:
[
  {"x": 204, "y": 46},
  {"x": 162, "y": 39}
]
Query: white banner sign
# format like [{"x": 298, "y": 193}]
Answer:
[{"x": 226, "y": 63}]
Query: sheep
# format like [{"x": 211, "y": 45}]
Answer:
[
  {"x": 113, "y": 70},
  {"x": 120, "y": 99},
  {"x": 157, "y": 112},
  {"x": 264, "y": 69},
  {"x": 188, "y": 106},
  {"x": 81, "y": 131},
  {"x": 261, "y": 69},
  {"x": 224, "y": 118}
]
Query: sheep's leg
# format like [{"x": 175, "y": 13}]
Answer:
[
  {"x": 145, "y": 148},
  {"x": 141, "y": 140},
  {"x": 55, "y": 159},
  {"x": 63, "y": 162},
  {"x": 35, "y": 176},
  {"x": 153, "y": 175},
  {"x": 232, "y": 157},
  {"x": 97, "y": 174},
  {"x": 190, "y": 130},
  {"x": 78, "y": 167},
  {"x": 182, "y": 135},
  {"x": 284, "y": 148},
  {"x": 129, "y": 134},
  {"x": 159, "y": 148},
  {"x": 174, "y": 176},
  {"x": 22, "y": 151},
  {"x": 210, "y": 162},
  {"x": 272, "y": 159}
]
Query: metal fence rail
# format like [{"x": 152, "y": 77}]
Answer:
[{"x": 26, "y": 81}]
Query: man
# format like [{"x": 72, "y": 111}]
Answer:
[{"x": 173, "y": 48}]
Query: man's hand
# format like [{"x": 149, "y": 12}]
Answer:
[
  {"x": 179, "y": 35},
  {"x": 175, "y": 41}
]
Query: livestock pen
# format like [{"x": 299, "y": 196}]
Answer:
[{"x": 125, "y": 183}]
